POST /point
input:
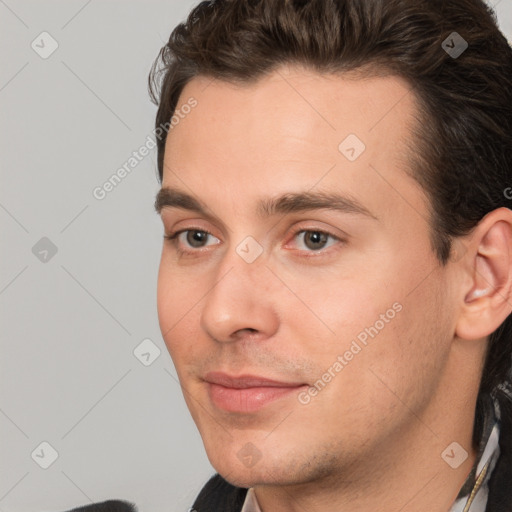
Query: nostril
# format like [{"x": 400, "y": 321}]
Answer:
[{"x": 246, "y": 330}]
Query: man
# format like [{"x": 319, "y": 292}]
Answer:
[{"x": 336, "y": 276}]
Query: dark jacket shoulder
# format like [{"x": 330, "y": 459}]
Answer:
[{"x": 106, "y": 506}]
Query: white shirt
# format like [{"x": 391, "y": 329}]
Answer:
[{"x": 250, "y": 503}]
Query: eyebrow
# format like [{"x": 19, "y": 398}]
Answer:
[{"x": 267, "y": 207}]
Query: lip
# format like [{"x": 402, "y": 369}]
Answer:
[
  {"x": 247, "y": 381},
  {"x": 247, "y": 393}
]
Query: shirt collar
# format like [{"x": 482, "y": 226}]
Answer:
[
  {"x": 473, "y": 494},
  {"x": 250, "y": 503},
  {"x": 475, "y": 491}
]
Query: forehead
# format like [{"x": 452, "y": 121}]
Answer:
[
  {"x": 291, "y": 103},
  {"x": 291, "y": 127}
]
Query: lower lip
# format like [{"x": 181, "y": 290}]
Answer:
[{"x": 249, "y": 399}]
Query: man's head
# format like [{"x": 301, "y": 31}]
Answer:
[{"x": 377, "y": 311}]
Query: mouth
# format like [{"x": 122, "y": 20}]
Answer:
[{"x": 247, "y": 393}]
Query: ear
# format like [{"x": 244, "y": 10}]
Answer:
[{"x": 488, "y": 292}]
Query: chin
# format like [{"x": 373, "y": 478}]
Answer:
[
  {"x": 249, "y": 477},
  {"x": 243, "y": 481},
  {"x": 240, "y": 470}
]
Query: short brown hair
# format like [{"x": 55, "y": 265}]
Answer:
[{"x": 463, "y": 156}]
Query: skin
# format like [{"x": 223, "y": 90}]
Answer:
[{"x": 372, "y": 438}]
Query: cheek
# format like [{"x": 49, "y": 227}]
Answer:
[
  {"x": 383, "y": 325},
  {"x": 336, "y": 309},
  {"x": 165, "y": 298},
  {"x": 401, "y": 357},
  {"x": 177, "y": 299}
]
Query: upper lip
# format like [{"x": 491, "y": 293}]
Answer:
[{"x": 247, "y": 381}]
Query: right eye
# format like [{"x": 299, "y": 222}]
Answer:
[{"x": 194, "y": 238}]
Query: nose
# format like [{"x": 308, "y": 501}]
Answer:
[{"x": 240, "y": 302}]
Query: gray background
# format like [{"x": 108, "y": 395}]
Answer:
[{"x": 70, "y": 323}]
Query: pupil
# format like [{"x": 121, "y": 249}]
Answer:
[
  {"x": 196, "y": 237},
  {"x": 316, "y": 237}
]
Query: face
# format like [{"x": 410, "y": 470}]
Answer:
[{"x": 299, "y": 295}]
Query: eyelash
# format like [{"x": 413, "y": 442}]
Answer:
[{"x": 173, "y": 238}]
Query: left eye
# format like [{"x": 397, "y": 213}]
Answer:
[{"x": 314, "y": 239}]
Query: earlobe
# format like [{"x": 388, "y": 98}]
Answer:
[{"x": 488, "y": 301}]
